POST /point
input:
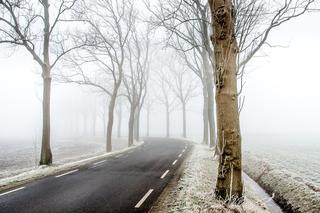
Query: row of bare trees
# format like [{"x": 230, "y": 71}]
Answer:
[
  {"x": 97, "y": 41},
  {"x": 105, "y": 44},
  {"x": 217, "y": 39}
]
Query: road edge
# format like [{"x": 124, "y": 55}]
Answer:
[
  {"x": 46, "y": 171},
  {"x": 176, "y": 177}
]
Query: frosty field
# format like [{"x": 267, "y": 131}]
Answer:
[
  {"x": 287, "y": 167},
  {"x": 17, "y": 157},
  {"x": 295, "y": 154}
]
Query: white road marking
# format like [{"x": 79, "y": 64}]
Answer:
[
  {"x": 14, "y": 190},
  {"x": 96, "y": 163},
  {"x": 164, "y": 174},
  {"x": 174, "y": 162},
  {"x": 143, "y": 198},
  {"x": 70, "y": 172},
  {"x": 183, "y": 151},
  {"x": 180, "y": 155}
]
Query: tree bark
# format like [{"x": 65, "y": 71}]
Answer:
[
  {"x": 137, "y": 125},
  {"x": 211, "y": 116},
  {"x": 229, "y": 183},
  {"x": 131, "y": 126},
  {"x": 184, "y": 121},
  {"x": 46, "y": 154},
  {"x": 110, "y": 121}
]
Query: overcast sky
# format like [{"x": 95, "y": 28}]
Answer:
[{"x": 282, "y": 90}]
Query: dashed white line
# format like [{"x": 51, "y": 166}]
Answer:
[
  {"x": 183, "y": 151},
  {"x": 180, "y": 155},
  {"x": 67, "y": 173},
  {"x": 97, "y": 163},
  {"x": 164, "y": 174},
  {"x": 143, "y": 198},
  {"x": 174, "y": 162},
  {"x": 14, "y": 190}
]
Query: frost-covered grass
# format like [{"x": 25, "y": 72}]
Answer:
[
  {"x": 288, "y": 168},
  {"x": 290, "y": 190},
  {"x": 21, "y": 156},
  {"x": 43, "y": 171},
  {"x": 299, "y": 154},
  {"x": 194, "y": 190}
]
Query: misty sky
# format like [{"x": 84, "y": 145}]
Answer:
[{"x": 282, "y": 91}]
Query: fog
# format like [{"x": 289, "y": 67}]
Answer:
[
  {"x": 282, "y": 88},
  {"x": 281, "y": 93},
  {"x": 103, "y": 102}
]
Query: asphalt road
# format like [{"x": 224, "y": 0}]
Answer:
[{"x": 128, "y": 182}]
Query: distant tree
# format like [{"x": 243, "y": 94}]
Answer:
[
  {"x": 186, "y": 24},
  {"x": 100, "y": 64},
  {"x": 136, "y": 78},
  {"x": 149, "y": 102},
  {"x": 165, "y": 95},
  {"x": 29, "y": 24},
  {"x": 119, "y": 116},
  {"x": 184, "y": 86}
]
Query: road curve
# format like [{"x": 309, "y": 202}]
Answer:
[{"x": 127, "y": 182}]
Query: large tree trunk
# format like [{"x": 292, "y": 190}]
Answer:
[
  {"x": 212, "y": 125},
  {"x": 184, "y": 121},
  {"x": 131, "y": 126},
  {"x": 110, "y": 121},
  {"x": 46, "y": 154},
  {"x": 229, "y": 182},
  {"x": 205, "y": 114},
  {"x": 210, "y": 96},
  {"x": 137, "y": 125}
]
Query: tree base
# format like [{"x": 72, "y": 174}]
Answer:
[{"x": 236, "y": 198}]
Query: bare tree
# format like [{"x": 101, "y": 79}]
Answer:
[
  {"x": 119, "y": 116},
  {"x": 255, "y": 20},
  {"x": 29, "y": 24},
  {"x": 184, "y": 87},
  {"x": 148, "y": 106},
  {"x": 137, "y": 77},
  {"x": 187, "y": 28},
  {"x": 109, "y": 27},
  {"x": 102, "y": 114},
  {"x": 165, "y": 95},
  {"x": 249, "y": 22}
]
